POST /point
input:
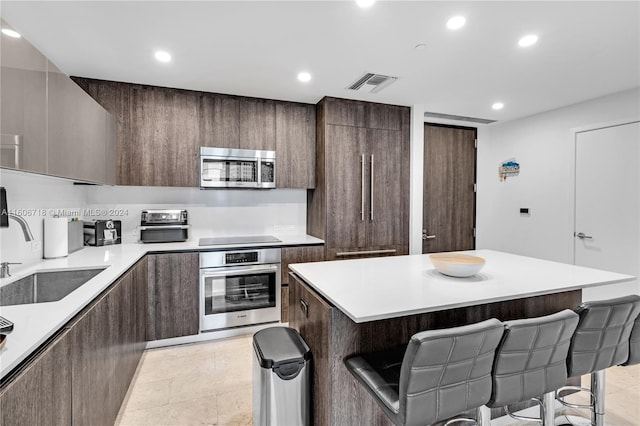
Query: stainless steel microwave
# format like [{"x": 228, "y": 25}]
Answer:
[{"x": 237, "y": 168}]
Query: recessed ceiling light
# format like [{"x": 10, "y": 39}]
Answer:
[
  {"x": 10, "y": 33},
  {"x": 162, "y": 56},
  {"x": 304, "y": 77},
  {"x": 497, "y": 105},
  {"x": 365, "y": 3},
  {"x": 456, "y": 22},
  {"x": 528, "y": 40},
  {"x": 420, "y": 46}
]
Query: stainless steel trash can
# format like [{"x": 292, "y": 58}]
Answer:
[{"x": 281, "y": 378}]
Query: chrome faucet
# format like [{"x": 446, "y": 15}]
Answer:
[
  {"x": 28, "y": 236},
  {"x": 4, "y": 268}
]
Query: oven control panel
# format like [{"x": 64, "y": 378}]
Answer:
[{"x": 242, "y": 257}]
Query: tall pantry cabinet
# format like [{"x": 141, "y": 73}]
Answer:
[{"x": 360, "y": 205}]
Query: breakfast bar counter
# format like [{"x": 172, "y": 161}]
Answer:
[{"x": 342, "y": 308}]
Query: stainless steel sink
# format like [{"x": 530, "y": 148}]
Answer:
[{"x": 42, "y": 287}]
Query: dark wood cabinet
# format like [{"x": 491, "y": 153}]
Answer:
[
  {"x": 360, "y": 206},
  {"x": 345, "y": 112},
  {"x": 257, "y": 124},
  {"x": 107, "y": 343},
  {"x": 173, "y": 290},
  {"x": 301, "y": 254},
  {"x": 160, "y": 130},
  {"x": 41, "y": 393},
  {"x": 295, "y": 145},
  {"x": 164, "y": 138},
  {"x": 219, "y": 121}
]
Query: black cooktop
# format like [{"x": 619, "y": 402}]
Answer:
[{"x": 238, "y": 240}]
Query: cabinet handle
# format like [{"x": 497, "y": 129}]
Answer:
[
  {"x": 305, "y": 308},
  {"x": 371, "y": 194},
  {"x": 362, "y": 166},
  {"x": 357, "y": 253}
]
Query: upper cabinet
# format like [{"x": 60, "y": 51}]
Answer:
[
  {"x": 76, "y": 131},
  {"x": 48, "y": 124},
  {"x": 295, "y": 145},
  {"x": 164, "y": 138},
  {"x": 257, "y": 124},
  {"x": 23, "y": 123},
  {"x": 219, "y": 121},
  {"x": 160, "y": 130}
]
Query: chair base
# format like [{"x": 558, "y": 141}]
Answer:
[
  {"x": 569, "y": 420},
  {"x": 596, "y": 404}
]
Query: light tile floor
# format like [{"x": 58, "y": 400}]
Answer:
[{"x": 210, "y": 384}]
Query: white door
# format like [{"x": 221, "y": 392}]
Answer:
[{"x": 607, "y": 205}]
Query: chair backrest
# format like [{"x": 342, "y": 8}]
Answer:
[
  {"x": 634, "y": 344},
  {"x": 447, "y": 372},
  {"x": 531, "y": 357},
  {"x": 602, "y": 337}
]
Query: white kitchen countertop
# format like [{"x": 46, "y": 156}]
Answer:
[
  {"x": 388, "y": 287},
  {"x": 35, "y": 323}
]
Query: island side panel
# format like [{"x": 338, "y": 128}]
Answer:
[
  {"x": 310, "y": 315},
  {"x": 337, "y": 397}
]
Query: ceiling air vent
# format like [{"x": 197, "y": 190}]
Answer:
[
  {"x": 458, "y": 118},
  {"x": 372, "y": 83}
]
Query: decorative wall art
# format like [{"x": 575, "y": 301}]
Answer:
[{"x": 508, "y": 168}]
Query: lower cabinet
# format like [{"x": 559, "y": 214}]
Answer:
[
  {"x": 82, "y": 376},
  {"x": 301, "y": 254},
  {"x": 41, "y": 393},
  {"x": 107, "y": 342},
  {"x": 173, "y": 303}
]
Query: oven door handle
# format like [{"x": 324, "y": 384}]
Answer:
[{"x": 235, "y": 271}]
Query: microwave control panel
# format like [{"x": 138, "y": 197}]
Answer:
[{"x": 246, "y": 257}]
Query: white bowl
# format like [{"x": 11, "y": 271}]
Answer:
[{"x": 456, "y": 264}]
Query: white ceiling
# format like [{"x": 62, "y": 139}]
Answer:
[{"x": 586, "y": 49}]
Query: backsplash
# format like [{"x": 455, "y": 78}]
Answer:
[
  {"x": 217, "y": 212},
  {"x": 34, "y": 197},
  {"x": 211, "y": 212}
]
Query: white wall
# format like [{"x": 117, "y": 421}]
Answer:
[
  {"x": 217, "y": 212},
  {"x": 543, "y": 144},
  {"x": 34, "y": 197}
]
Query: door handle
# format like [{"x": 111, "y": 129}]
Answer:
[
  {"x": 371, "y": 194},
  {"x": 583, "y": 236},
  {"x": 362, "y": 166},
  {"x": 427, "y": 237}
]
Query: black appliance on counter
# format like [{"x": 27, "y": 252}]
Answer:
[
  {"x": 164, "y": 226},
  {"x": 102, "y": 232}
]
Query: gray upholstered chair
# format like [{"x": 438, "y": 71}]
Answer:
[
  {"x": 602, "y": 340},
  {"x": 438, "y": 375},
  {"x": 531, "y": 362},
  {"x": 634, "y": 344}
]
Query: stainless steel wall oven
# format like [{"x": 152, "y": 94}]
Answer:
[{"x": 239, "y": 287}]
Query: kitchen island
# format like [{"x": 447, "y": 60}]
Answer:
[{"x": 342, "y": 308}]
